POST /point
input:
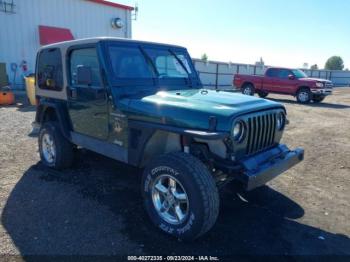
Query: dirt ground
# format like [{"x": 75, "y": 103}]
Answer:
[{"x": 95, "y": 208}]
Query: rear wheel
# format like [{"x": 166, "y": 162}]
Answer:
[
  {"x": 304, "y": 95},
  {"x": 248, "y": 89},
  {"x": 318, "y": 99},
  {"x": 262, "y": 94},
  {"x": 55, "y": 151},
  {"x": 180, "y": 195}
]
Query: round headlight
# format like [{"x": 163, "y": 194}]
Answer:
[
  {"x": 281, "y": 121},
  {"x": 238, "y": 131}
]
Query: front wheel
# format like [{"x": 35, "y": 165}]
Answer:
[
  {"x": 248, "y": 89},
  {"x": 180, "y": 195},
  {"x": 304, "y": 95}
]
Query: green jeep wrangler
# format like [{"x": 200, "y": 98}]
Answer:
[{"x": 143, "y": 104}]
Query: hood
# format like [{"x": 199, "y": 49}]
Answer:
[
  {"x": 310, "y": 79},
  {"x": 192, "y": 108}
]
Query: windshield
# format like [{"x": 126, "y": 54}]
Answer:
[
  {"x": 298, "y": 73},
  {"x": 165, "y": 65},
  {"x": 168, "y": 63},
  {"x": 128, "y": 62}
]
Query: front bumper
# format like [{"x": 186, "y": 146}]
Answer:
[
  {"x": 260, "y": 169},
  {"x": 257, "y": 170},
  {"x": 323, "y": 91}
]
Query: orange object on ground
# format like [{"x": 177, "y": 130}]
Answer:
[{"x": 7, "y": 98}]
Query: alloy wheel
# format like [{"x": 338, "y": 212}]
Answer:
[
  {"x": 48, "y": 148},
  {"x": 303, "y": 96},
  {"x": 170, "y": 199}
]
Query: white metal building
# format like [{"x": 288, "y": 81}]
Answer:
[{"x": 25, "y": 25}]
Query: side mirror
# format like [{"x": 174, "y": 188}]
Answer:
[
  {"x": 291, "y": 77},
  {"x": 84, "y": 75}
]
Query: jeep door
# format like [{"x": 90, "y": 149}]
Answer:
[{"x": 87, "y": 96}]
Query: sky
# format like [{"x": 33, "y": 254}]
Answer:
[{"x": 284, "y": 33}]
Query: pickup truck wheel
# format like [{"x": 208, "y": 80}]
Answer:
[
  {"x": 180, "y": 195},
  {"x": 318, "y": 99},
  {"x": 304, "y": 96},
  {"x": 55, "y": 151},
  {"x": 263, "y": 94},
  {"x": 248, "y": 89}
]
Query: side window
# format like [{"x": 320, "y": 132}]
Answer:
[
  {"x": 284, "y": 73},
  {"x": 86, "y": 57},
  {"x": 271, "y": 72},
  {"x": 49, "y": 74}
]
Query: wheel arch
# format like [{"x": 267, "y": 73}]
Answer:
[
  {"x": 245, "y": 83},
  {"x": 302, "y": 87},
  {"x": 147, "y": 141},
  {"x": 49, "y": 111},
  {"x": 161, "y": 142}
]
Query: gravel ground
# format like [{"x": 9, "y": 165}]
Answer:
[{"x": 95, "y": 208}]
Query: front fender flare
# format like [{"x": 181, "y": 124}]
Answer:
[{"x": 140, "y": 133}]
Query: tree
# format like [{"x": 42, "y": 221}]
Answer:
[
  {"x": 334, "y": 63},
  {"x": 314, "y": 67},
  {"x": 204, "y": 57}
]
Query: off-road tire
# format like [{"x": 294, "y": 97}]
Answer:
[
  {"x": 318, "y": 99},
  {"x": 262, "y": 94},
  {"x": 199, "y": 185},
  {"x": 248, "y": 89},
  {"x": 64, "y": 152},
  {"x": 306, "y": 92}
]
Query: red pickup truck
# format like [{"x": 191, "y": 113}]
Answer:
[{"x": 285, "y": 81}]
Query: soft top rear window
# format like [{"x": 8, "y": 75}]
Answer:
[{"x": 49, "y": 69}]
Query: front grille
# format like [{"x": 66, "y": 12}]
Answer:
[
  {"x": 261, "y": 132},
  {"x": 328, "y": 85}
]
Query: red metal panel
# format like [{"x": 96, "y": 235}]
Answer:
[{"x": 50, "y": 35}]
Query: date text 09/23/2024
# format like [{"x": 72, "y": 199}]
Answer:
[{"x": 173, "y": 258}]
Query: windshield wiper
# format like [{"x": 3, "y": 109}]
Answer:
[{"x": 183, "y": 66}]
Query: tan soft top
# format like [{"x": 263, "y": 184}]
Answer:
[
  {"x": 64, "y": 46},
  {"x": 67, "y": 44}
]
